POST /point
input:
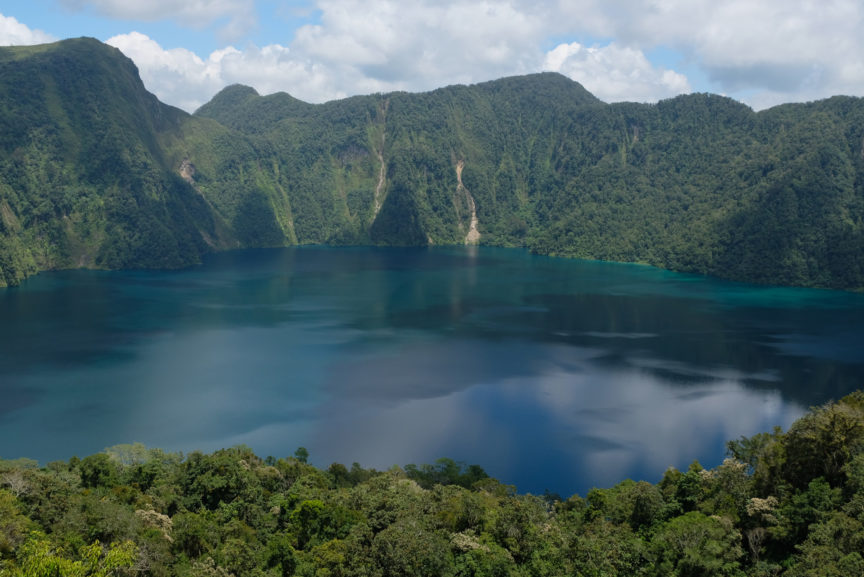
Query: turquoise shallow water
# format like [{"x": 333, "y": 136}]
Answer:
[{"x": 550, "y": 373}]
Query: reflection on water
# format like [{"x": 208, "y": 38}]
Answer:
[
  {"x": 551, "y": 374},
  {"x": 548, "y": 416}
]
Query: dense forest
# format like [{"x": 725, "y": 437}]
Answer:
[
  {"x": 784, "y": 503},
  {"x": 96, "y": 172}
]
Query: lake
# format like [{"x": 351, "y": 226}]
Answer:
[{"x": 549, "y": 373}]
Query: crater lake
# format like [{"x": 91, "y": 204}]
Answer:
[{"x": 551, "y": 374}]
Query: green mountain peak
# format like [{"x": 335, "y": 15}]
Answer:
[{"x": 96, "y": 172}]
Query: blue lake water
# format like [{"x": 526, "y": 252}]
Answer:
[{"x": 549, "y": 373}]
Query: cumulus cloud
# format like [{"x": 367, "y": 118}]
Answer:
[
  {"x": 794, "y": 50},
  {"x": 14, "y": 33},
  {"x": 181, "y": 78},
  {"x": 615, "y": 73},
  {"x": 383, "y": 45},
  {"x": 358, "y": 47},
  {"x": 774, "y": 50},
  {"x": 761, "y": 52},
  {"x": 240, "y": 14},
  {"x": 423, "y": 43},
  {"x": 177, "y": 76}
]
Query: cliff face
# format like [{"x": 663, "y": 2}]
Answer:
[{"x": 94, "y": 171}]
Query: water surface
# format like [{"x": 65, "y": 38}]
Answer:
[{"x": 551, "y": 374}]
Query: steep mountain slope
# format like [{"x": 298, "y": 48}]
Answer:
[
  {"x": 701, "y": 183},
  {"x": 84, "y": 179},
  {"x": 95, "y": 172},
  {"x": 697, "y": 183}
]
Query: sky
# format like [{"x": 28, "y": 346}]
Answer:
[{"x": 760, "y": 52}]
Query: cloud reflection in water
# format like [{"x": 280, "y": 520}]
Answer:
[{"x": 543, "y": 417}]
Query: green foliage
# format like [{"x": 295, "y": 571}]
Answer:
[
  {"x": 409, "y": 549},
  {"x": 694, "y": 544},
  {"x": 38, "y": 557},
  {"x": 96, "y": 172},
  {"x": 14, "y": 526},
  {"x": 301, "y": 454},
  {"x": 98, "y": 471},
  {"x": 822, "y": 443},
  {"x": 787, "y": 504},
  {"x": 603, "y": 548},
  {"x": 446, "y": 472},
  {"x": 84, "y": 178},
  {"x": 833, "y": 548},
  {"x": 639, "y": 505}
]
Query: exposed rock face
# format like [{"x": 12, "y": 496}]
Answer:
[
  {"x": 473, "y": 236},
  {"x": 187, "y": 171}
]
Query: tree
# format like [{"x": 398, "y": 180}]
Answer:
[
  {"x": 301, "y": 454},
  {"x": 602, "y": 548},
  {"x": 833, "y": 548},
  {"x": 822, "y": 442},
  {"x": 409, "y": 549},
  {"x": 38, "y": 557},
  {"x": 14, "y": 526},
  {"x": 695, "y": 544},
  {"x": 98, "y": 470}
]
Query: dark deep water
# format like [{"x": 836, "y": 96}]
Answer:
[{"x": 551, "y": 374}]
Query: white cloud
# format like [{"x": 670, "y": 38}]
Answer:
[
  {"x": 384, "y": 45},
  {"x": 775, "y": 50},
  {"x": 358, "y": 47},
  {"x": 176, "y": 76},
  {"x": 614, "y": 73},
  {"x": 240, "y": 14},
  {"x": 181, "y": 78},
  {"x": 14, "y": 33},
  {"x": 761, "y": 52},
  {"x": 422, "y": 44}
]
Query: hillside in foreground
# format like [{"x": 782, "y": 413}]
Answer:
[
  {"x": 787, "y": 504},
  {"x": 96, "y": 172}
]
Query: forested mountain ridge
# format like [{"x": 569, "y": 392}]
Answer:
[
  {"x": 94, "y": 171},
  {"x": 86, "y": 176}
]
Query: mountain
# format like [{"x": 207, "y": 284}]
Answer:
[
  {"x": 95, "y": 172},
  {"x": 86, "y": 178}
]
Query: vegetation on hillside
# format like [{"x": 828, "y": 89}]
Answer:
[
  {"x": 784, "y": 503},
  {"x": 84, "y": 177},
  {"x": 94, "y": 171}
]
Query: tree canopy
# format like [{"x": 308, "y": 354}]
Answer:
[{"x": 783, "y": 503}]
